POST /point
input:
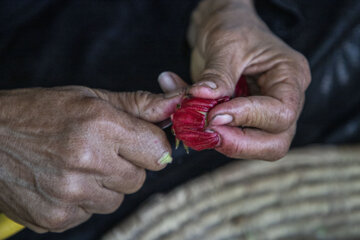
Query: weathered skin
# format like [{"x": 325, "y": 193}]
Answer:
[
  {"x": 69, "y": 152},
  {"x": 228, "y": 40}
]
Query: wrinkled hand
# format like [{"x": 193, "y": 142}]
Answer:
[
  {"x": 229, "y": 40},
  {"x": 68, "y": 152}
]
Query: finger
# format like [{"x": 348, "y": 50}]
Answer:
[
  {"x": 276, "y": 111},
  {"x": 291, "y": 64},
  {"x": 144, "y": 105},
  {"x": 170, "y": 82},
  {"x": 104, "y": 201},
  {"x": 142, "y": 143},
  {"x": 64, "y": 218},
  {"x": 263, "y": 112},
  {"x": 220, "y": 73},
  {"x": 58, "y": 217},
  {"x": 124, "y": 177},
  {"x": 250, "y": 143},
  {"x": 55, "y": 216}
]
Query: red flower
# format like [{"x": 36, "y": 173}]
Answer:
[{"x": 190, "y": 120}]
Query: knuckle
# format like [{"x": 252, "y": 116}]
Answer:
[
  {"x": 210, "y": 74},
  {"x": 100, "y": 111},
  {"x": 97, "y": 111},
  {"x": 291, "y": 115},
  {"x": 251, "y": 114},
  {"x": 307, "y": 72},
  {"x": 145, "y": 104},
  {"x": 139, "y": 100},
  {"x": 84, "y": 157},
  {"x": 77, "y": 142},
  {"x": 69, "y": 189},
  {"x": 227, "y": 40},
  {"x": 77, "y": 90},
  {"x": 302, "y": 59},
  {"x": 217, "y": 73},
  {"x": 278, "y": 152},
  {"x": 80, "y": 151},
  {"x": 304, "y": 66},
  {"x": 58, "y": 219},
  {"x": 216, "y": 35},
  {"x": 78, "y": 156},
  {"x": 113, "y": 204},
  {"x": 283, "y": 150},
  {"x": 235, "y": 150},
  {"x": 135, "y": 180},
  {"x": 288, "y": 116}
]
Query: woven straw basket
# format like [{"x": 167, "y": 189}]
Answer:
[{"x": 312, "y": 193}]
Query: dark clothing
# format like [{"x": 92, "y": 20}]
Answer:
[
  {"x": 117, "y": 45},
  {"x": 328, "y": 34},
  {"x": 123, "y": 45}
]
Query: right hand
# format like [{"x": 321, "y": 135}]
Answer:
[
  {"x": 228, "y": 40},
  {"x": 69, "y": 152}
]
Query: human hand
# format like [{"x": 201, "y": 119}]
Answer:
[
  {"x": 229, "y": 40},
  {"x": 69, "y": 152}
]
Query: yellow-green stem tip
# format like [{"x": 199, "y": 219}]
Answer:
[{"x": 165, "y": 158}]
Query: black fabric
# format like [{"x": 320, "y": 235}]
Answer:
[
  {"x": 328, "y": 34},
  {"x": 123, "y": 45},
  {"x": 117, "y": 45}
]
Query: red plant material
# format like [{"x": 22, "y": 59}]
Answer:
[
  {"x": 241, "y": 89},
  {"x": 190, "y": 120}
]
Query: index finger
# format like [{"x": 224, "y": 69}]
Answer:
[
  {"x": 142, "y": 143},
  {"x": 263, "y": 112}
]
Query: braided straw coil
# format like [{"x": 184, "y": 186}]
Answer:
[{"x": 312, "y": 193}]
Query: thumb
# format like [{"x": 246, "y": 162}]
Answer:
[
  {"x": 170, "y": 82},
  {"x": 144, "y": 105},
  {"x": 215, "y": 75}
]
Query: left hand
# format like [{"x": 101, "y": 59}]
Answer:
[
  {"x": 230, "y": 40},
  {"x": 69, "y": 152}
]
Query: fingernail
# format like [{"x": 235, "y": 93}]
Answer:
[
  {"x": 222, "y": 119},
  {"x": 209, "y": 131},
  {"x": 165, "y": 159},
  {"x": 209, "y": 84},
  {"x": 164, "y": 124},
  {"x": 174, "y": 93},
  {"x": 166, "y": 80}
]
